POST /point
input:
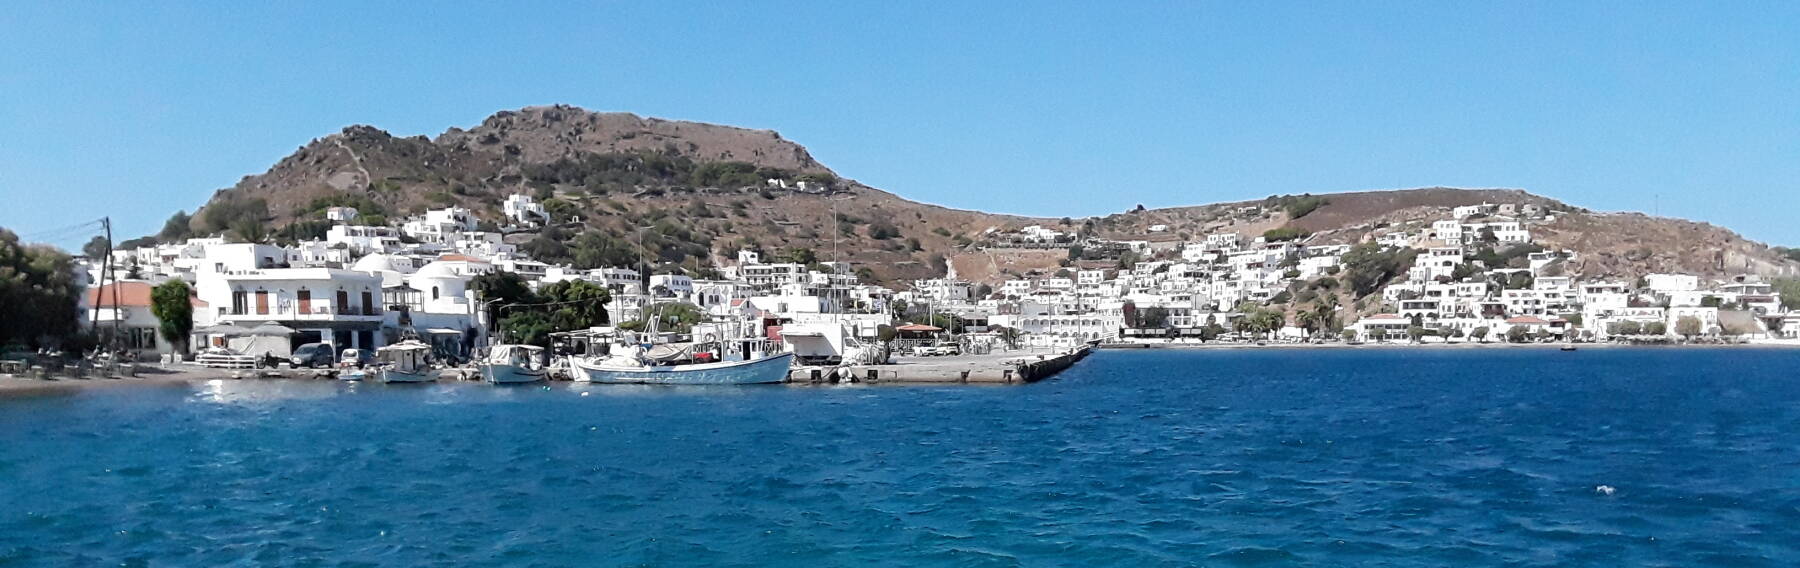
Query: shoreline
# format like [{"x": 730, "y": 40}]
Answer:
[
  {"x": 156, "y": 376},
  {"x": 12, "y": 387}
]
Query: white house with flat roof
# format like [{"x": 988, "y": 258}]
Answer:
[{"x": 340, "y": 307}]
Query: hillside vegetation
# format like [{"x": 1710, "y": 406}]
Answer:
[{"x": 694, "y": 193}]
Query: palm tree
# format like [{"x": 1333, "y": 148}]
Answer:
[
  {"x": 1307, "y": 321},
  {"x": 1010, "y": 336}
]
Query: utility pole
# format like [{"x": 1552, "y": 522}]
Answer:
[
  {"x": 109, "y": 272},
  {"x": 644, "y": 279}
]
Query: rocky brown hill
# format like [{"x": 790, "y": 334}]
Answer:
[
  {"x": 698, "y": 192},
  {"x": 703, "y": 190}
]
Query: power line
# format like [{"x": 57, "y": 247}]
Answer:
[{"x": 64, "y": 232}]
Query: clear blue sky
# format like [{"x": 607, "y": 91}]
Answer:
[{"x": 138, "y": 109}]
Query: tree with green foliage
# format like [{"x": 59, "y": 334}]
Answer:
[
  {"x": 1280, "y": 234},
  {"x": 676, "y": 317},
  {"x": 96, "y": 248},
  {"x": 173, "y": 305},
  {"x": 1479, "y": 334},
  {"x": 1211, "y": 331},
  {"x": 501, "y": 288},
  {"x": 1127, "y": 260},
  {"x": 1367, "y": 266},
  {"x": 249, "y": 230},
  {"x": 177, "y": 228},
  {"x": 797, "y": 255},
  {"x": 245, "y": 217},
  {"x": 1789, "y": 290},
  {"x": 575, "y": 304},
  {"x": 1626, "y": 327},
  {"x": 1688, "y": 327},
  {"x": 1516, "y": 334},
  {"x": 1416, "y": 333},
  {"x": 1303, "y": 205},
  {"x": 1152, "y": 318},
  {"x": 596, "y": 249},
  {"x": 1307, "y": 320},
  {"x": 39, "y": 295},
  {"x": 1264, "y": 321},
  {"x": 1348, "y": 334},
  {"x": 1008, "y": 335},
  {"x": 546, "y": 248}
]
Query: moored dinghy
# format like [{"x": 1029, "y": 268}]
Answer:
[{"x": 512, "y": 364}]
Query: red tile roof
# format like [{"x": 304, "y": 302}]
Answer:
[{"x": 131, "y": 295}]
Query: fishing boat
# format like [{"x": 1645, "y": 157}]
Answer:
[
  {"x": 509, "y": 363},
  {"x": 635, "y": 366},
  {"x": 405, "y": 362}
]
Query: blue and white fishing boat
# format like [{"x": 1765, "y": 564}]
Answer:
[
  {"x": 634, "y": 368},
  {"x": 512, "y": 364},
  {"x": 406, "y": 362}
]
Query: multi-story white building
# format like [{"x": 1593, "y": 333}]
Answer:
[
  {"x": 1467, "y": 211},
  {"x": 678, "y": 286},
  {"x": 1663, "y": 284},
  {"x": 362, "y": 239},
  {"x": 1503, "y": 231},
  {"x": 524, "y": 210},
  {"x": 440, "y": 225},
  {"x": 1449, "y": 231},
  {"x": 335, "y": 306}
]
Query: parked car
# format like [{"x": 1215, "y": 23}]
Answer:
[
  {"x": 313, "y": 355},
  {"x": 937, "y": 350},
  {"x": 357, "y": 358}
]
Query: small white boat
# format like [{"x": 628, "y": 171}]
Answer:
[
  {"x": 631, "y": 369},
  {"x": 512, "y": 364},
  {"x": 405, "y": 362},
  {"x": 350, "y": 366}
]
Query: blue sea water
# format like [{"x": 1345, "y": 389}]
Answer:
[{"x": 1132, "y": 458}]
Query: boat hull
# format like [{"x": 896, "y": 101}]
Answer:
[
  {"x": 767, "y": 370},
  {"x": 509, "y": 374},
  {"x": 421, "y": 376}
]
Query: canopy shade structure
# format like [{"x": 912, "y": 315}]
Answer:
[
  {"x": 272, "y": 329},
  {"x": 918, "y": 327},
  {"x": 224, "y": 329}
]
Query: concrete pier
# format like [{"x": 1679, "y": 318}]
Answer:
[{"x": 1012, "y": 367}]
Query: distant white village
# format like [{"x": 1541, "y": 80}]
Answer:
[{"x": 352, "y": 288}]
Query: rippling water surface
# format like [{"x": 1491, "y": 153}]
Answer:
[{"x": 1332, "y": 457}]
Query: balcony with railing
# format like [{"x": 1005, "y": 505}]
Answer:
[{"x": 314, "y": 311}]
